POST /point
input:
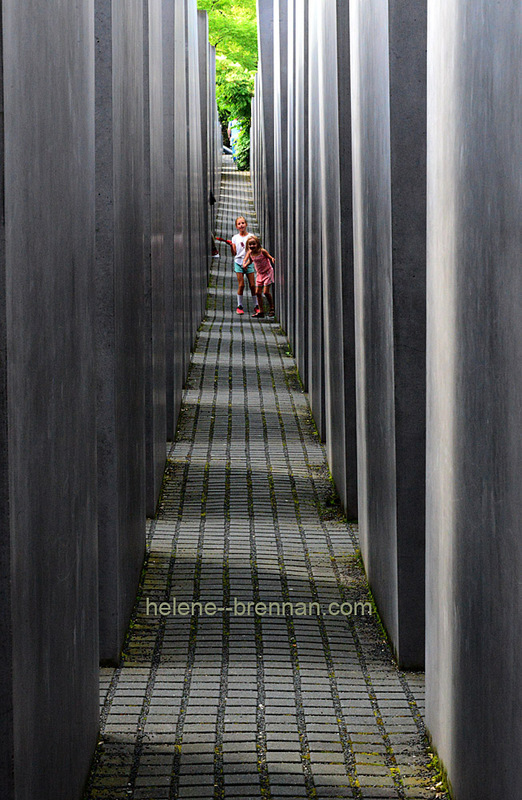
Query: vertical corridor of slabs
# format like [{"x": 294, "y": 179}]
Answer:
[{"x": 213, "y": 700}]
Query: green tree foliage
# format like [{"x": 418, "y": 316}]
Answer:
[
  {"x": 234, "y": 92},
  {"x": 233, "y": 31},
  {"x": 243, "y": 149}
]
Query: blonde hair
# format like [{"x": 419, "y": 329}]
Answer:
[{"x": 253, "y": 239}]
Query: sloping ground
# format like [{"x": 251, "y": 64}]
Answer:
[{"x": 301, "y": 699}]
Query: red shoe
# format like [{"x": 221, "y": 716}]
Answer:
[
  {"x": 258, "y": 312},
  {"x": 239, "y": 310}
]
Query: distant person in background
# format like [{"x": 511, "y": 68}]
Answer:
[
  {"x": 233, "y": 131},
  {"x": 238, "y": 251}
]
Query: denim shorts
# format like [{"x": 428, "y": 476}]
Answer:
[{"x": 239, "y": 268}]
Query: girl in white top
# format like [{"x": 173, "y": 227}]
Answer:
[{"x": 238, "y": 251}]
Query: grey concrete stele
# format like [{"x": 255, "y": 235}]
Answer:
[
  {"x": 120, "y": 326},
  {"x": 154, "y": 252},
  {"x": 474, "y": 430},
  {"x": 48, "y": 555},
  {"x": 352, "y": 280},
  {"x": 356, "y": 275},
  {"x": 264, "y": 175},
  {"x": 300, "y": 147},
  {"x": 309, "y": 143},
  {"x": 389, "y": 155},
  {"x": 87, "y": 249}
]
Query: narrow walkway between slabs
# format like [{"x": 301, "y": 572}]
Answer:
[{"x": 211, "y": 699}]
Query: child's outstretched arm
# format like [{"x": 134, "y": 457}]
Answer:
[{"x": 247, "y": 260}]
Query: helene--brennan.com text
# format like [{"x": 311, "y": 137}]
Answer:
[{"x": 239, "y": 608}]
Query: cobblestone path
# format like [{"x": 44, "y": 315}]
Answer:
[{"x": 223, "y": 702}]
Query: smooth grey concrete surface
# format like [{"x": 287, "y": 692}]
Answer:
[
  {"x": 154, "y": 219},
  {"x": 373, "y": 303},
  {"x": 388, "y": 103},
  {"x": 120, "y": 321},
  {"x": 197, "y": 286},
  {"x": 205, "y": 128},
  {"x": 289, "y": 176},
  {"x": 386, "y": 186},
  {"x": 474, "y": 447},
  {"x": 81, "y": 249},
  {"x": 302, "y": 238},
  {"x": 312, "y": 225},
  {"x": 172, "y": 317},
  {"x": 215, "y": 142},
  {"x": 177, "y": 360},
  {"x": 177, "y": 274},
  {"x": 186, "y": 204},
  {"x": 257, "y": 151},
  {"x": 333, "y": 118},
  {"x": 48, "y": 402},
  {"x": 6, "y": 627},
  {"x": 216, "y": 138},
  {"x": 266, "y": 177},
  {"x": 315, "y": 309},
  {"x": 346, "y": 260},
  {"x": 408, "y": 42},
  {"x": 278, "y": 232}
]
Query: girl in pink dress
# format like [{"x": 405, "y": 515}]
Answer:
[{"x": 264, "y": 266}]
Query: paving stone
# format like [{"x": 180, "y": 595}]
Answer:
[
  {"x": 202, "y": 779},
  {"x": 327, "y": 758},
  {"x": 285, "y": 746},
  {"x": 249, "y": 788},
  {"x": 332, "y": 780},
  {"x": 238, "y": 747},
  {"x": 286, "y": 768},
  {"x": 295, "y": 792},
  {"x": 156, "y": 781},
  {"x": 200, "y": 767},
  {"x": 286, "y": 757},
  {"x": 199, "y": 750},
  {"x": 328, "y": 768},
  {"x": 240, "y": 773}
]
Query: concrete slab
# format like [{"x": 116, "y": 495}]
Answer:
[
  {"x": 315, "y": 309},
  {"x": 48, "y": 490},
  {"x": 302, "y": 242},
  {"x": 389, "y": 228},
  {"x": 154, "y": 220},
  {"x": 474, "y": 389},
  {"x": 198, "y": 251},
  {"x": 120, "y": 313},
  {"x": 278, "y": 231},
  {"x": 265, "y": 16}
]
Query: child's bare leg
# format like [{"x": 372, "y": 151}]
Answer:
[
  {"x": 259, "y": 292},
  {"x": 269, "y": 297},
  {"x": 240, "y": 290},
  {"x": 253, "y": 289}
]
